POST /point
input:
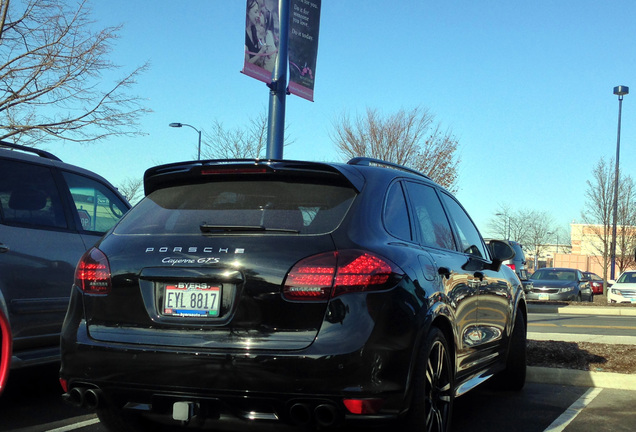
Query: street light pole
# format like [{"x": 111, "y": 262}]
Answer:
[
  {"x": 178, "y": 125},
  {"x": 620, "y": 91}
]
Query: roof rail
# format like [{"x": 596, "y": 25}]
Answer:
[
  {"x": 367, "y": 161},
  {"x": 38, "y": 152}
]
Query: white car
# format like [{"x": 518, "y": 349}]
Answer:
[{"x": 624, "y": 289}]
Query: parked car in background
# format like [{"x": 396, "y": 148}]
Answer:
[
  {"x": 50, "y": 214},
  {"x": 307, "y": 293},
  {"x": 562, "y": 284},
  {"x": 518, "y": 264},
  {"x": 624, "y": 289},
  {"x": 596, "y": 282}
]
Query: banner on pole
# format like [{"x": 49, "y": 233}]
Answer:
[
  {"x": 303, "y": 46},
  {"x": 262, "y": 39}
]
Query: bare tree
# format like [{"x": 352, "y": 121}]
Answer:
[
  {"x": 248, "y": 142},
  {"x": 51, "y": 75},
  {"x": 598, "y": 212},
  {"x": 626, "y": 221},
  {"x": 409, "y": 138},
  {"x": 510, "y": 224},
  {"x": 540, "y": 227},
  {"x": 131, "y": 189}
]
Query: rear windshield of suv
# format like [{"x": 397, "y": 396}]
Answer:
[{"x": 240, "y": 206}]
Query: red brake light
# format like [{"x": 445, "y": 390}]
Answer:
[
  {"x": 321, "y": 277},
  {"x": 92, "y": 274},
  {"x": 512, "y": 266},
  {"x": 233, "y": 170}
]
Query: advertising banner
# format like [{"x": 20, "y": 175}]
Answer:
[
  {"x": 303, "y": 46},
  {"x": 262, "y": 38}
]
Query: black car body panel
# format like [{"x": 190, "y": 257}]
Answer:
[{"x": 264, "y": 350}]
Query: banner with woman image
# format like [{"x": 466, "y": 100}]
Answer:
[
  {"x": 262, "y": 37},
  {"x": 262, "y": 40}
]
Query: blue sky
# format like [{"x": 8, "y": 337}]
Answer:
[{"x": 526, "y": 86}]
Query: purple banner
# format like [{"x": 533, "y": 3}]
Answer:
[{"x": 303, "y": 46}]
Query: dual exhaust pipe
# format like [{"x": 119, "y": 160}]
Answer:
[
  {"x": 83, "y": 397},
  {"x": 324, "y": 414}
]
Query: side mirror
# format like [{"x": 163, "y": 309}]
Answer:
[{"x": 500, "y": 251}]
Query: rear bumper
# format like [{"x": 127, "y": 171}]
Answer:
[{"x": 237, "y": 382}]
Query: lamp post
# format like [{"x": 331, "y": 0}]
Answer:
[
  {"x": 619, "y": 91},
  {"x": 178, "y": 125}
]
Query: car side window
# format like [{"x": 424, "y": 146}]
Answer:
[
  {"x": 469, "y": 238},
  {"x": 396, "y": 216},
  {"x": 29, "y": 196},
  {"x": 435, "y": 231},
  {"x": 98, "y": 207}
]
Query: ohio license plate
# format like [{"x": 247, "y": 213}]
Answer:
[{"x": 191, "y": 299}]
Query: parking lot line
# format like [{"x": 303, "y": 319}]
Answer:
[
  {"x": 570, "y": 414},
  {"x": 75, "y": 426}
]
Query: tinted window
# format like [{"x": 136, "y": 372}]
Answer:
[
  {"x": 235, "y": 205},
  {"x": 555, "y": 275},
  {"x": 29, "y": 196},
  {"x": 433, "y": 224},
  {"x": 396, "y": 217},
  {"x": 627, "y": 277},
  {"x": 469, "y": 238},
  {"x": 98, "y": 208}
]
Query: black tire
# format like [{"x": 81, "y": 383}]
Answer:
[
  {"x": 513, "y": 377},
  {"x": 433, "y": 387}
]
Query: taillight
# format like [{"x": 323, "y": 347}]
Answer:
[
  {"x": 92, "y": 273},
  {"x": 327, "y": 275},
  {"x": 512, "y": 266}
]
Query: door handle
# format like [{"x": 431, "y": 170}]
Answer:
[{"x": 4, "y": 248}]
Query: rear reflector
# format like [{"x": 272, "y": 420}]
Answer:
[
  {"x": 363, "y": 406},
  {"x": 92, "y": 274},
  {"x": 327, "y": 275}
]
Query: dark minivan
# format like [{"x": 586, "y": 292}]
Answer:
[{"x": 50, "y": 214}]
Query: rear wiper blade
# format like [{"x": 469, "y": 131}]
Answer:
[{"x": 208, "y": 228}]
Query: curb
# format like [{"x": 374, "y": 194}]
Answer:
[
  {"x": 580, "y": 378},
  {"x": 581, "y": 310}
]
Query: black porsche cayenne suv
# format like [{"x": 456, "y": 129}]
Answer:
[{"x": 306, "y": 293}]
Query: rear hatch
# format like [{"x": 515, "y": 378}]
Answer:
[{"x": 202, "y": 261}]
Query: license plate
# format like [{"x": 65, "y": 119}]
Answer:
[
  {"x": 544, "y": 296},
  {"x": 191, "y": 300}
]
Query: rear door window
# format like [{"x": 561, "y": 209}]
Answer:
[
  {"x": 469, "y": 238},
  {"x": 29, "y": 196},
  {"x": 234, "y": 206},
  {"x": 97, "y": 207}
]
